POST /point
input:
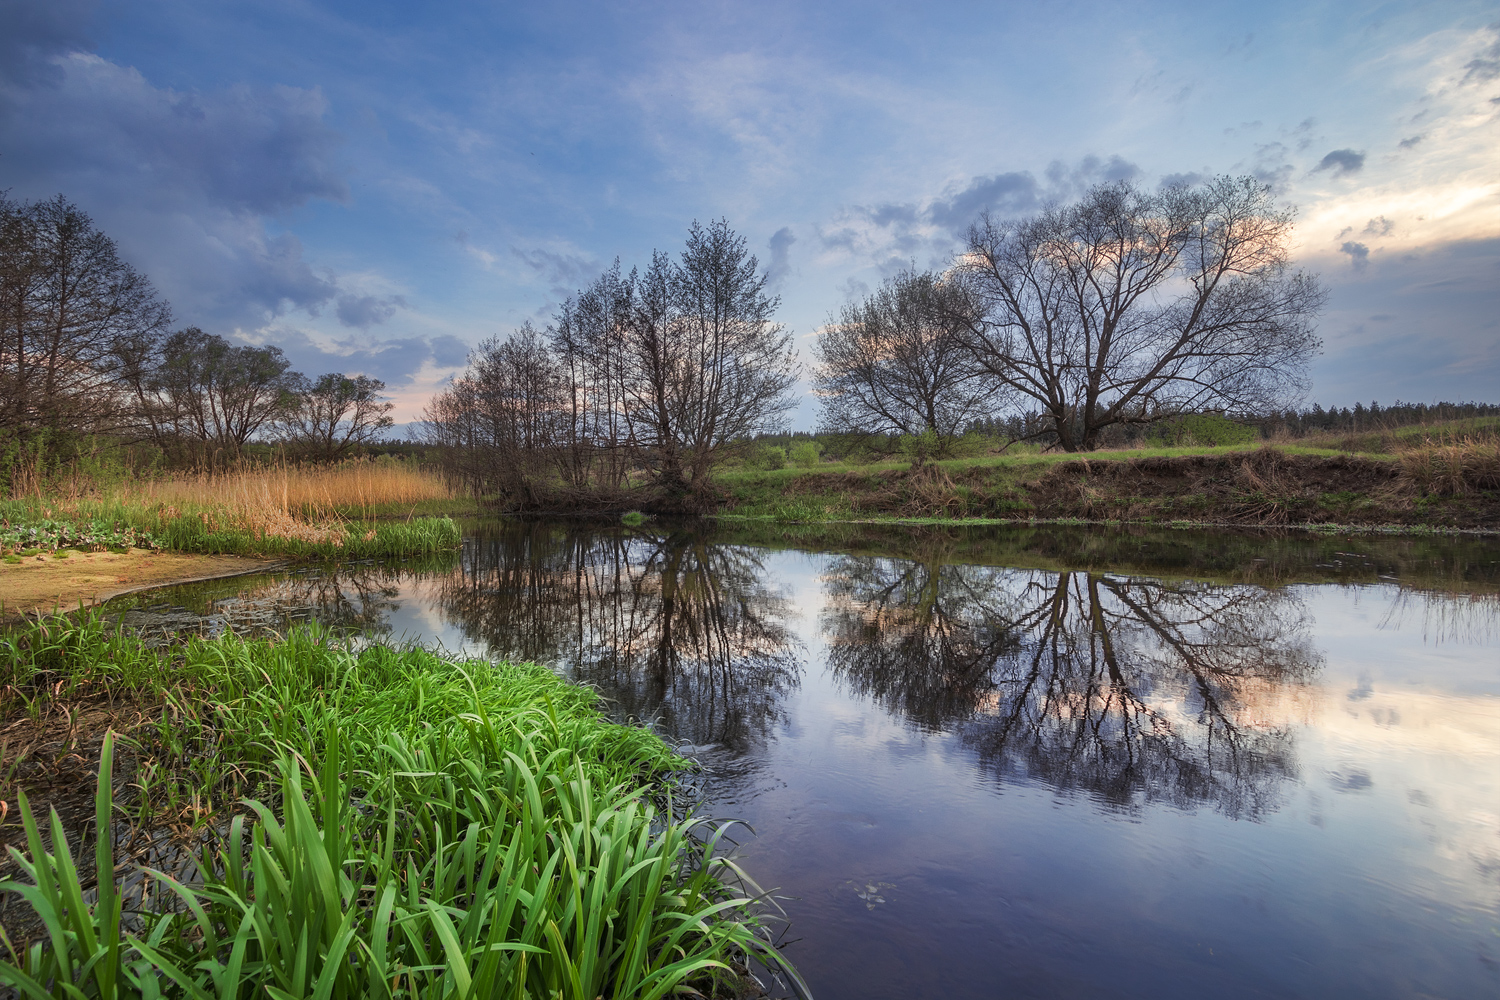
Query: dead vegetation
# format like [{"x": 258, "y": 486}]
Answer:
[{"x": 1450, "y": 486}]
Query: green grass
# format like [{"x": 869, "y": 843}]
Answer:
[{"x": 423, "y": 828}]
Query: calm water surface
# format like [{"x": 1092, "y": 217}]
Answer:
[{"x": 1019, "y": 763}]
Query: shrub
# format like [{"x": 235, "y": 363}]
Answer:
[
  {"x": 770, "y": 457},
  {"x": 805, "y": 454},
  {"x": 1206, "y": 430}
]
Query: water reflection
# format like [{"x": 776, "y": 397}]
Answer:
[
  {"x": 1125, "y": 688},
  {"x": 672, "y": 626}
]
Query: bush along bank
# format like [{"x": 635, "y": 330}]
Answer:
[
  {"x": 420, "y": 827},
  {"x": 1454, "y": 488}
]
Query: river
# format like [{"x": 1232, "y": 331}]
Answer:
[{"x": 1061, "y": 762}]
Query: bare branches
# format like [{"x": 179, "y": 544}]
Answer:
[
  {"x": 897, "y": 363},
  {"x": 1132, "y": 306},
  {"x": 72, "y": 314},
  {"x": 653, "y": 371}
]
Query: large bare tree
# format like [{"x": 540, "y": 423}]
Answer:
[
  {"x": 709, "y": 363},
  {"x": 1130, "y": 306},
  {"x": 896, "y": 362},
  {"x": 72, "y": 315}
]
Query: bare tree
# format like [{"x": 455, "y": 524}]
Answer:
[
  {"x": 71, "y": 312},
  {"x": 655, "y": 371},
  {"x": 718, "y": 368},
  {"x": 1132, "y": 306},
  {"x": 334, "y": 414},
  {"x": 896, "y": 362},
  {"x": 501, "y": 421}
]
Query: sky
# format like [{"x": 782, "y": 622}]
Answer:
[{"x": 376, "y": 187}]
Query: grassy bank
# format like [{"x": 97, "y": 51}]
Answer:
[
  {"x": 420, "y": 827},
  {"x": 356, "y": 510},
  {"x": 1453, "y": 485}
]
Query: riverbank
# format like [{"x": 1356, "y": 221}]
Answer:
[
  {"x": 1264, "y": 486},
  {"x": 530, "y": 855},
  {"x": 41, "y": 583}
]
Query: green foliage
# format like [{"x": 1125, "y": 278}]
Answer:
[
  {"x": 921, "y": 448},
  {"x": 425, "y": 827},
  {"x": 632, "y": 519},
  {"x": 86, "y": 535},
  {"x": 1209, "y": 430},
  {"x": 806, "y": 454},
  {"x": 769, "y": 457}
]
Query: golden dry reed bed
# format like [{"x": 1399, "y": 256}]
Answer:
[{"x": 311, "y": 494}]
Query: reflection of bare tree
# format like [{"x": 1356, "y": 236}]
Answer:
[
  {"x": 1464, "y": 619},
  {"x": 1125, "y": 688},
  {"x": 353, "y": 600},
  {"x": 921, "y": 638},
  {"x": 671, "y": 626}
]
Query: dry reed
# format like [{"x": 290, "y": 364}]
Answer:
[
  {"x": 286, "y": 492},
  {"x": 1453, "y": 469}
]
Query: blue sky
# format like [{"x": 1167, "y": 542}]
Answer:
[{"x": 377, "y": 186}]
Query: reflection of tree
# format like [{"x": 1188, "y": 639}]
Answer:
[
  {"x": 351, "y": 600},
  {"x": 670, "y": 626},
  {"x": 922, "y": 639},
  {"x": 1122, "y": 687}
]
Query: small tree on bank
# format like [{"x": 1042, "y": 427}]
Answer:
[
  {"x": 896, "y": 363},
  {"x": 1132, "y": 306}
]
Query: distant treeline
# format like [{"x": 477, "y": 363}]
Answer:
[
  {"x": 1362, "y": 418},
  {"x": 1358, "y": 419}
]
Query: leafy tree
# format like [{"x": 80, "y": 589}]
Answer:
[
  {"x": 213, "y": 394},
  {"x": 1132, "y": 306}
]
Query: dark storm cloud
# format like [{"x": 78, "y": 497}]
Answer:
[
  {"x": 31, "y": 33},
  {"x": 896, "y": 234},
  {"x": 781, "y": 252},
  {"x": 1003, "y": 195},
  {"x": 1341, "y": 162},
  {"x": 1067, "y": 182},
  {"x": 1431, "y": 316},
  {"x": 564, "y": 273},
  {"x": 184, "y": 181},
  {"x": 1359, "y": 254},
  {"x": 364, "y": 311}
]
